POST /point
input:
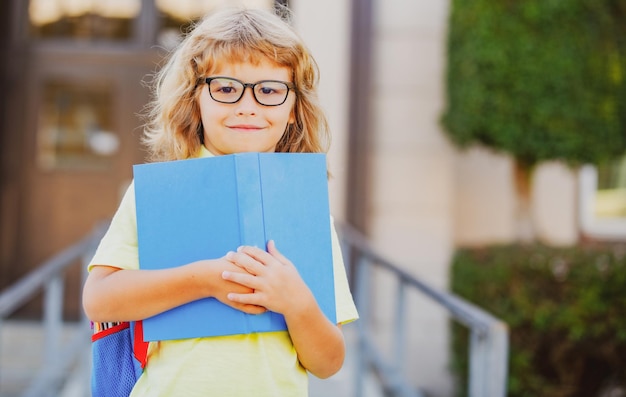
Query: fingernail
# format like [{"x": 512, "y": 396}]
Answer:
[{"x": 225, "y": 274}]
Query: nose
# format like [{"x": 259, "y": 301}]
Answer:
[{"x": 247, "y": 104}]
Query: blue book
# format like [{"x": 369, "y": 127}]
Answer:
[{"x": 196, "y": 209}]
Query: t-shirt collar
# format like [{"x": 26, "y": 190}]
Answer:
[{"x": 204, "y": 152}]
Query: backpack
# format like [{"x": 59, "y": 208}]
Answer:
[{"x": 119, "y": 355}]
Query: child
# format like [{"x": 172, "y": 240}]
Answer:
[{"x": 241, "y": 81}]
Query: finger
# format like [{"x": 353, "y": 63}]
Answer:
[
  {"x": 272, "y": 250},
  {"x": 253, "y": 299},
  {"x": 229, "y": 256},
  {"x": 250, "y": 309},
  {"x": 257, "y": 253},
  {"x": 245, "y": 261},
  {"x": 247, "y": 280}
]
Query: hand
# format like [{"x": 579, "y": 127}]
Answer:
[
  {"x": 219, "y": 288},
  {"x": 278, "y": 287},
  {"x": 274, "y": 280}
]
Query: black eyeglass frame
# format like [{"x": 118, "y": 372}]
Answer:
[{"x": 290, "y": 87}]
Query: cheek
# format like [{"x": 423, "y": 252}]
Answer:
[
  {"x": 201, "y": 104},
  {"x": 205, "y": 105},
  {"x": 209, "y": 113}
]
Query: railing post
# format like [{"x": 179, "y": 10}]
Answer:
[
  {"x": 362, "y": 302},
  {"x": 85, "y": 373},
  {"x": 498, "y": 359},
  {"x": 1, "y": 342},
  {"x": 52, "y": 317},
  {"x": 477, "y": 370},
  {"x": 488, "y": 361},
  {"x": 400, "y": 328}
]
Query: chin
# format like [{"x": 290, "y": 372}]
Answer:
[{"x": 255, "y": 150}]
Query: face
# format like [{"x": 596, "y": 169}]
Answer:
[{"x": 245, "y": 126}]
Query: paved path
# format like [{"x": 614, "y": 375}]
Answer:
[
  {"x": 21, "y": 347},
  {"x": 22, "y": 350}
]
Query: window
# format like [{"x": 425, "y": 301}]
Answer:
[
  {"x": 603, "y": 200},
  {"x": 176, "y": 16},
  {"x": 611, "y": 190},
  {"x": 75, "y": 126},
  {"x": 88, "y": 20},
  {"x": 122, "y": 20}
]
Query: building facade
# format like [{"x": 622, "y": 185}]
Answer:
[{"x": 72, "y": 89}]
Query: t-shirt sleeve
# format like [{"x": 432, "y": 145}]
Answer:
[
  {"x": 118, "y": 247},
  {"x": 345, "y": 307}
]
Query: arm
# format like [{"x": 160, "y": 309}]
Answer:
[
  {"x": 278, "y": 287},
  {"x": 112, "y": 294}
]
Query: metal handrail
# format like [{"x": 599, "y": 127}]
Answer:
[
  {"x": 489, "y": 341},
  {"x": 58, "y": 356},
  {"x": 488, "y": 336}
]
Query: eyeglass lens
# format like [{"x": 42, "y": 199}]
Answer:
[{"x": 269, "y": 93}]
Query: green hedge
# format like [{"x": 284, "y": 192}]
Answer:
[
  {"x": 566, "y": 309},
  {"x": 539, "y": 79}
]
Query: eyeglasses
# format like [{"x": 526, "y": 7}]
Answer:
[{"x": 266, "y": 92}]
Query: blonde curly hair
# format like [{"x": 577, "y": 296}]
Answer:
[{"x": 231, "y": 35}]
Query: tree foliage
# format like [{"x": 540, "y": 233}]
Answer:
[{"x": 539, "y": 79}]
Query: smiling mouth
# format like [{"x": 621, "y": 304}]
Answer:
[{"x": 245, "y": 128}]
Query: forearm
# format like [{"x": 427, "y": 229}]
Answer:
[
  {"x": 319, "y": 343},
  {"x": 123, "y": 295}
]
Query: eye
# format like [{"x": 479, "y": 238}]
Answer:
[
  {"x": 271, "y": 88},
  {"x": 225, "y": 87},
  {"x": 226, "y": 90}
]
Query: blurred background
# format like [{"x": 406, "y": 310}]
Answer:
[{"x": 459, "y": 130}]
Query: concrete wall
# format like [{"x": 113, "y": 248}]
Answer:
[
  {"x": 486, "y": 202},
  {"x": 413, "y": 189},
  {"x": 325, "y": 27}
]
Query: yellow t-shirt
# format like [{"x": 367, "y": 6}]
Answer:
[{"x": 261, "y": 364}]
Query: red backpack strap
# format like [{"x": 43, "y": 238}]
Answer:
[{"x": 140, "y": 347}]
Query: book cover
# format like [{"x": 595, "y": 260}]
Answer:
[{"x": 196, "y": 209}]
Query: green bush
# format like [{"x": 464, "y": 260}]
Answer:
[
  {"x": 566, "y": 309},
  {"x": 539, "y": 79}
]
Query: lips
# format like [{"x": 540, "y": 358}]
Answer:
[{"x": 245, "y": 128}]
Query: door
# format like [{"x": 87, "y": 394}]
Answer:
[
  {"x": 82, "y": 137},
  {"x": 72, "y": 92},
  {"x": 71, "y": 132}
]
